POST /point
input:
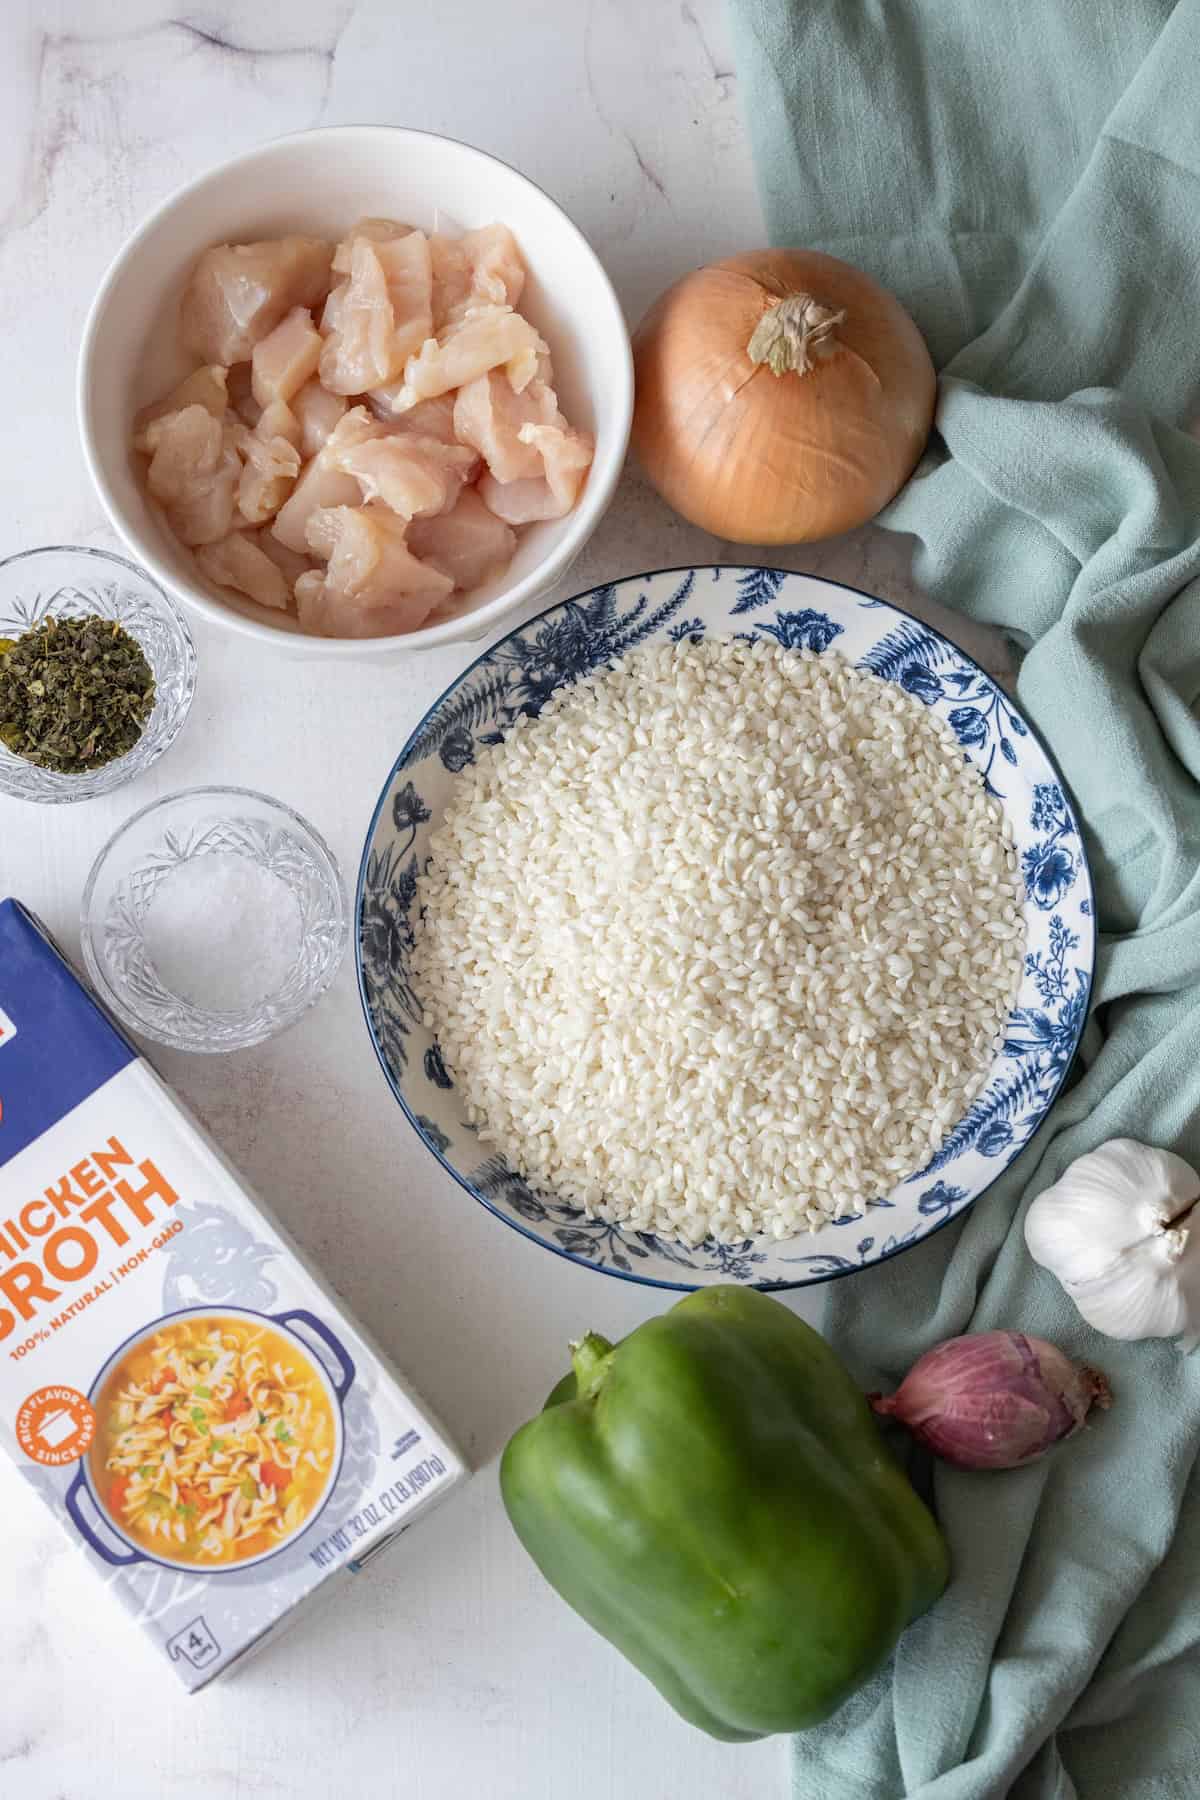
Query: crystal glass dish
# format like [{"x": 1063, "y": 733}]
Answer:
[
  {"x": 66, "y": 581},
  {"x": 254, "y": 839}
]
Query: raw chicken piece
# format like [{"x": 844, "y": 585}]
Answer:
[
  {"x": 486, "y": 338},
  {"x": 321, "y": 482},
  {"x": 429, "y": 418},
  {"x": 291, "y": 564},
  {"x": 469, "y": 544},
  {"x": 382, "y": 317},
  {"x": 451, "y": 265},
  {"x": 411, "y": 475},
  {"x": 237, "y": 562},
  {"x": 319, "y": 485},
  {"x": 374, "y": 585},
  {"x": 327, "y": 614},
  {"x": 309, "y": 591},
  {"x": 238, "y": 293},
  {"x": 271, "y": 468},
  {"x": 488, "y": 415},
  {"x": 357, "y": 352},
  {"x": 193, "y": 473},
  {"x": 410, "y": 289},
  {"x": 318, "y": 411},
  {"x": 481, "y": 268},
  {"x": 565, "y": 454},
  {"x": 241, "y": 396},
  {"x": 331, "y": 313},
  {"x": 498, "y": 270},
  {"x": 376, "y": 231},
  {"x": 286, "y": 358},
  {"x": 204, "y": 387},
  {"x": 278, "y": 420}
]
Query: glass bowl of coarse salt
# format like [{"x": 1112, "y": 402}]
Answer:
[{"x": 214, "y": 919}]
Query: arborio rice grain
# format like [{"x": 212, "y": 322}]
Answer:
[{"x": 723, "y": 941}]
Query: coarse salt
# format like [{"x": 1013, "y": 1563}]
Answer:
[{"x": 222, "y": 932}]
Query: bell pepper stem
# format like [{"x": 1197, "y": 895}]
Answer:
[{"x": 589, "y": 1357}]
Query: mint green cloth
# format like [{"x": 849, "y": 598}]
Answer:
[{"x": 1027, "y": 178}]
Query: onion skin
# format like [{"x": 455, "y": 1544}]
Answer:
[
  {"x": 759, "y": 458},
  {"x": 994, "y": 1399}
]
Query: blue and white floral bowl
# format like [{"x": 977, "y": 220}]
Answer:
[{"x": 517, "y": 676}]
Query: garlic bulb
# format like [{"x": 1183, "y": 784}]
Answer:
[{"x": 1117, "y": 1231}]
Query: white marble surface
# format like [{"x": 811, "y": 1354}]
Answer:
[{"x": 451, "y": 1670}]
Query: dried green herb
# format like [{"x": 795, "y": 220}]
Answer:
[{"x": 74, "y": 693}]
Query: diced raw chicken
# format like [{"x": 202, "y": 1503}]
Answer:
[
  {"x": 278, "y": 420},
  {"x": 323, "y": 530},
  {"x": 319, "y": 485},
  {"x": 309, "y": 592},
  {"x": 237, "y": 562},
  {"x": 193, "y": 473},
  {"x": 452, "y": 272},
  {"x": 498, "y": 269},
  {"x": 410, "y": 289},
  {"x": 318, "y": 411},
  {"x": 321, "y": 482},
  {"x": 373, "y": 584},
  {"x": 469, "y": 544},
  {"x": 331, "y": 313},
  {"x": 238, "y": 293},
  {"x": 259, "y": 462},
  {"x": 376, "y": 231},
  {"x": 487, "y": 338},
  {"x": 290, "y": 562},
  {"x": 286, "y": 358},
  {"x": 241, "y": 395},
  {"x": 271, "y": 468},
  {"x": 489, "y": 416},
  {"x": 481, "y": 268},
  {"x": 357, "y": 352},
  {"x": 381, "y": 318},
  {"x": 204, "y": 387},
  {"x": 429, "y": 418},
  {"x": 411, "y": 475},
  {"x": 566, "y": 455},
  {"x": 326, "y": 614}
]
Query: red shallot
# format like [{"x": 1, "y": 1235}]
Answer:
[{"x": 994, "y": 1399}]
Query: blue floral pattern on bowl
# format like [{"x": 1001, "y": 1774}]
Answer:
[{"x": 515, "y": 678}]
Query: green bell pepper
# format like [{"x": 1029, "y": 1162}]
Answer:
[{"x": 714, "y": 1497}]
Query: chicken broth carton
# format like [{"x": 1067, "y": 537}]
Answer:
[{"x": 185, "y": 1393}]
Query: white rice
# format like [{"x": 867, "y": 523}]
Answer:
[{"x": 723, "y": 942}]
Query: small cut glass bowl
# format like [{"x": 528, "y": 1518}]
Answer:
[
  {"x": 149, "y": 847},
  {"x": 70, "y": 581}
]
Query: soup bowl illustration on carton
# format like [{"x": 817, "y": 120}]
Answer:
[{"x": 219, "y": 1438}]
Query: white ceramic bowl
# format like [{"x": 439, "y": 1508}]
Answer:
[{"x": 321, "y": 182}]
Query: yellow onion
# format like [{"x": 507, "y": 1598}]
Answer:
[
  {"x": 994, "y": 1399},
  {"x": 781, "y": 396}
]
